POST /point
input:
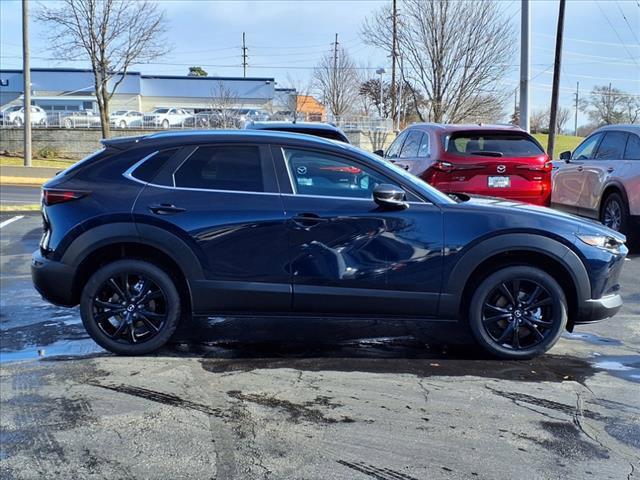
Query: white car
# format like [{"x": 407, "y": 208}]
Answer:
[
  {"x": 15, "y": 116},
  {"x": 166, "y": 117},
  {"x": 126, "y": 118},
  {"x": 81, "y": 118}
]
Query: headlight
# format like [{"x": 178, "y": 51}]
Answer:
[{"x": 602, "y": 241}]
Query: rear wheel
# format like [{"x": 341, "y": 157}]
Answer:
[
  {"x": 130, "y": 307},
  {"x": 123, "y": 124},
  {"x": 518, "y": 312}
]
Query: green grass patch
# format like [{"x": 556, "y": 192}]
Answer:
[
  {"x": 31, "y": 207},
  {"x": 60, "y": 163},
  {"x": 563, "y": 142}
]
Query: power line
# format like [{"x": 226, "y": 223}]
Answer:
[
  {"x": 582, "y": 40},
  {"x": 633, "y": 33},
  {"x": 615, "y": 30}
]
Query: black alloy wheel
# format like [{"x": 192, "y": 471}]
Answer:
[
  {"x": 518, "y": 312},
  {"x": 130, "y": 307}
]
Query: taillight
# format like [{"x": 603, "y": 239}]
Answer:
[
  {"x": 546, "y": 167},
  {"x": 52, "y": 196}
]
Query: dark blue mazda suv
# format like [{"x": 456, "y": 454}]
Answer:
[{"x": 156, "y": 230}]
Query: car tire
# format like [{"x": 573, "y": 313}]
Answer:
[
  {"x": 165, "y": 124},
  {"x": 518, "y": 312},
  {"x": 18, "y": 122},
  {"x": 67, "y": 123},
  {"x": 136, "y": 315},
  {"x": 123, "y": 124},
  {"x": 614, "y": 213}
]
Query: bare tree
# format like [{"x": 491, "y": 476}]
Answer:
[
  {"x": 299, "y": 99},
  {"x": 562, "y": 117},
  {"x": 606, "y": 105},
  {"x": 456, "y": 53},
  {"x": 631, "y": 109},
  {"x": 336, "y": 78},
  {"x": 539, "y": 120},
  {"x": 112, "y": 34},
  {"x": 225, "y": 102}
]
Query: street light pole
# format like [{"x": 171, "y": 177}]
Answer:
[
  {"x": 26, "y": 77},
  {"x": 381, "y": 71},
  {"x": 525, "y": 37}
]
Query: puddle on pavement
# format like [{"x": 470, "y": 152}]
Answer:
[
  {"x": 626, "y": 367},
  {"x": 591, "y": 338}
]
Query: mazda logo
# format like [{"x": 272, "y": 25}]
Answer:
[
  {"x": 501, "y": 169},
  {"x": 301, "y": 170}
]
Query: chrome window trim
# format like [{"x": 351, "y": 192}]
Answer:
[{"x": 129, "y": 172}]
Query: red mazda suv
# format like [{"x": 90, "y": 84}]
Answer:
[{"x": 492, "y": 160}]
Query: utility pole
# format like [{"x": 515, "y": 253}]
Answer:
[
  {"x": 575, "y": 125},
  {"x": 399, "y": 117},
  {"x": 244, "y": 56},
  {"x": 553, "y": 122},
  {"x": 26, "y": 77},
  {"x": 525, "y": 37},
  {"x": 334, "y": 87},
  {"x": 394, "y": 43}
]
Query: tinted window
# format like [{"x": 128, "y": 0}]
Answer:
[
  {"x": 318, "y": 173},
  {"x": 612, "y": 146},
  {"x": 586, "y": 149},
  {"x": 394, "y": 149},
  {"x": 152, "y": 165},
  {"x": 492, "y": 144},
  {"x": 411, "y": 145},
  {"x": 423, "y": 151},
  {"x": 632, "y": 152},
  {"x": 223, "y": 167}
]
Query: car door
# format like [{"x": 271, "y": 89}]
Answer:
[
  {"x": 222, "y": 200},
  {"x": 597, "y": 171},
  {"x": 568, "y": 180},
  {"x": 349, "y": 255},
  {"x": 408, "y": 156},
  {"x": 393, "y": 152}
]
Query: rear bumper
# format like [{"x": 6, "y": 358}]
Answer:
[
  {"x": 543, "y": 198},
  {"x": 53, "y": 280},
  {"x": 599, "y": 309}
]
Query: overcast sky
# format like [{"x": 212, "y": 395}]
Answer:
[{"x": 286, "y": 39}]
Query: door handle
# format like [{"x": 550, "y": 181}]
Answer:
[
  {"x": 166, "y": 209},
  {"x": 308, "y": 219},
  {"x": 580, "y": 168},
  {"x": 610, "y": 169}
]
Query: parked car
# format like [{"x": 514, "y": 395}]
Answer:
[
  {"x": 493, "y": 160},
  {"x": 81, "y": 118},
  {"x": 166, "y": 117},
  {"x": 154, "y": 228},
  {"x": 14, "y": 115},
  {"x": 205, "y": 119},
  {"x": 126, "y": 118},
  {"x": 601, "y": 178},
  {"x": 323, "y": 130},
  {"x": 251, "y": 115}
]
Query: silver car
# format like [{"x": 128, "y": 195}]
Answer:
[{"x": 601, "y": 178}]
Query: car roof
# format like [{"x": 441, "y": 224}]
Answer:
[
  {"x": 447, "y": 127},
  {"x": 292, "y": 126},
  {"x": 166, "y": 139},
  {"x": 622, "y": 127}
]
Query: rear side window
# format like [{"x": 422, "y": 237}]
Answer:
[
  {"x": 150, "y": 167},
  {"x": 492, "y": 145},
  {"x": 612, "y": 146},
  {"x": 224, "y": 167},
  {"x": 632, "y": 151}
]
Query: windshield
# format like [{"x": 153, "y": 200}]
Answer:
[
  {"x": 119, "y": 112},
  {"x": 507, "y": 144},
  {"x": 160, "y": 110},
  {"x": 414, "y": 181},
  {"x": 13, "y": 109}
]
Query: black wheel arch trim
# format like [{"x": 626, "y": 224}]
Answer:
[
  {"x": 620, "y": 187},
  {"x": 452, "y": 292}
]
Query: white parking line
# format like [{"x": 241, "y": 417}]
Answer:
[{"x": 11, "y": 220}]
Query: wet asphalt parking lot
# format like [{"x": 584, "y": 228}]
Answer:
[{"x": 254, "y": 399}]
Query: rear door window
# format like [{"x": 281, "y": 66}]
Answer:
[
  {"x": 483, "y": 144},
  {"x": 411, "y": 145},
  {"x": 612, "y": 146},
  {"x": 632, "y": 152},
  {"x": 223, "y": 167}
]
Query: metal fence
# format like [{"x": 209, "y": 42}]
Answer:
[{"x": 145, "y": 121}]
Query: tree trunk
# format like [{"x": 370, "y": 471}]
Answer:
[{"x": 103, "y": 106}]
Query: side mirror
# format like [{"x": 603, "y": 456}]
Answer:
[
  {"x": 380, "y": 153},
  {"x": 390, "y": 197},
  {"x": 566, "y": 156}
]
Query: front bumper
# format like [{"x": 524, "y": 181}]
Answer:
[
  {"x": 53, "y": 280},
  {"x": 599, "y": 309}
]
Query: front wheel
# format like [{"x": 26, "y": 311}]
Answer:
[
  {"x": 130, "y": 307},
  {"x": 518, "y": 312},
  {"x": 165, "y": 124},
  {"x": 614, "y": 213},
  {"x": 123, "y": 124}
]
